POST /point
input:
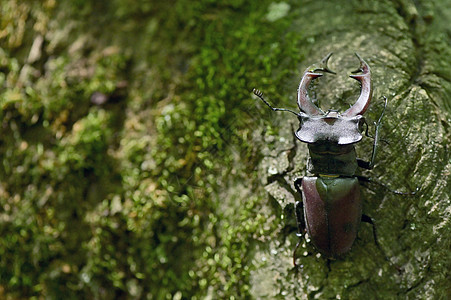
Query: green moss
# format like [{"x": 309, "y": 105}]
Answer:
[{"x": 123, "y": 198}]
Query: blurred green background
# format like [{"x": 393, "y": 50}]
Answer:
[{"x": 117, "y": 117}]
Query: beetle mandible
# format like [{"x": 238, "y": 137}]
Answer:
[{"x": 331, "y": 206}]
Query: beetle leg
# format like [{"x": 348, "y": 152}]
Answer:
[
  {"x": 364, "y": 179},
  {"x": 369, "y": 220},
  {"x": 369, "y": 165},
  {"x": 363, "y": 164},
  {"x": 299, "y": 212},
  {"x": 370, "y": 136},
  {"x": 376, "y": 135},
  {"x": 299, "y": 208}
]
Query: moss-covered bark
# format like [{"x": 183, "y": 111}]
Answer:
[{"x": 136, "y": 164}]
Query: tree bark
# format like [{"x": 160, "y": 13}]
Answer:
[{"x": 407, "y": 46}]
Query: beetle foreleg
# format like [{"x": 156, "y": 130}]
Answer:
[{"x": 376, "y": 139}]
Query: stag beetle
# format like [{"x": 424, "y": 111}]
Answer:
[{"x": 331, "y": 206}]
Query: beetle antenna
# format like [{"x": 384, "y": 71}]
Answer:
[{"x": 259, "y": 94}]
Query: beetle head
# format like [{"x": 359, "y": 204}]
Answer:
[
  {"x": 336, "y": 129},
  {"x": 317, "y": 126}
]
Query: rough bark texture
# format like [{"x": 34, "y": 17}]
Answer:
[
  {"x": 136, "y": 164},
  {"x": 408, "y": 49}
]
